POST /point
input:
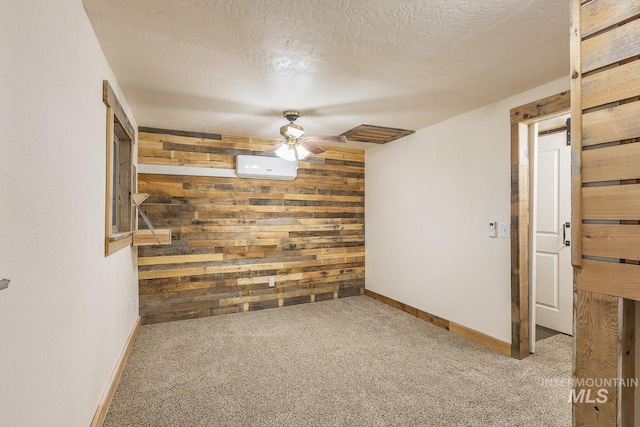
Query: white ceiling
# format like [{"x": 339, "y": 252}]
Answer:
[{"x": 232, "y": 67}]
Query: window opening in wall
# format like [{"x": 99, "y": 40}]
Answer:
[
  {"x": 114, "y": 187},
  {"x": 121, "y": 206},
  {"x": 119, "y": 215}
]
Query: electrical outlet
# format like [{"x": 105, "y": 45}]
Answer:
[{"x": 272, "y": 282}]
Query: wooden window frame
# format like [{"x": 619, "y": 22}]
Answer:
[{"x": 120, "y": 234}]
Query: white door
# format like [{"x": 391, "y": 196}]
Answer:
[{"x": 553, "y": 270}]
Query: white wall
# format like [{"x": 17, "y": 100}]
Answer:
[
  {"x": 68, "y": 311},
  {"x": 429, "y": 199}
]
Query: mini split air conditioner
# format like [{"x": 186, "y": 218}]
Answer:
[{"x": 260, "y": 167}]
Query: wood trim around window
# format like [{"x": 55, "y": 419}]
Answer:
[{"x": 118, "y": 125}]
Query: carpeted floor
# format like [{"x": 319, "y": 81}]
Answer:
[{"x": 346, "y": 362}]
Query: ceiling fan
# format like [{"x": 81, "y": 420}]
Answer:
[{"x": 296, "y": 146}]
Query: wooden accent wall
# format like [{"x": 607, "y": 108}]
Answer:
[
  {"x": 605, "y": 70},
  {"x": 230, "y": 235}
]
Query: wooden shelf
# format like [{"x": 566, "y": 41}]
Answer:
[{"x": 146, "y": 238}]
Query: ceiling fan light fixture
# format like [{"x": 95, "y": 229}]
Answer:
[
  {"x": 291, "y": 131},
  {"x": 295, "y": 146},
  {"x": 302, "y": 152},
  {"x": 292, "y": 152}
]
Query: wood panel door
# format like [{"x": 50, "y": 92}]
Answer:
[{"x": 553, "y": 270}]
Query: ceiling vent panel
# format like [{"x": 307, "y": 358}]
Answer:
[{"x": 375, "y": 134}]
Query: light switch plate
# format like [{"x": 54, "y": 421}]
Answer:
[{"x": 505, "y": 230}]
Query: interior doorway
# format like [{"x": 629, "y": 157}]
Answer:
[
  {"x": 551, "y": 282},
  {"x": 523, "y": 120}
]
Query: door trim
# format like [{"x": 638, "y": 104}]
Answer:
[{"x": 521, "y": 118}]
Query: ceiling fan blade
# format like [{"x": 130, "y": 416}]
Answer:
[
  {"x": 271, "y": 150},
  {"x": 312, "y": 148},
  {"x": 321, "y": 139}
]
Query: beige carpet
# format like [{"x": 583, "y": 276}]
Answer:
[{"x": 346, "y": 362}]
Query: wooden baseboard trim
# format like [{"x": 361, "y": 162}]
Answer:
[
  {"x": 105, "y": 401},
  {"x": 483, "y": 339}
]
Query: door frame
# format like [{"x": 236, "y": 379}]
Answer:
[{"x": 521, "y": 119}]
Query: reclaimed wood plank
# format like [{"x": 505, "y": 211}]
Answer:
[
  {"x": 609, "y": 278},
  {"x": 615, "y": 202},
  {"x": 611, "y": 85},
  {"x": 538, "y": 109},
  {"x": 179, "y": 259},
  {"x": 611, "y": 241},
  {"x": 111, "y": 100},
  {"x": 611, "y": 124},
  {"x": 597, "y": 52},
  {"x": 596, "y": 347},
  {"x": 575, "y": 41},
  {"x": 145, "y": 237},
  {"x": 601, "y": 14},
  {"x": 611, "y": 163}
]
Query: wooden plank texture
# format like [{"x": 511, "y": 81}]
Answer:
[
  {"x": 610, "y": 47},
  {"x": 231, "y": 235},
  {"x": 611, "y": 163},
  {"x": 575, "y": 42},
  {"x": 376, "y": 134},
  {"x": 611, "y": 241},
  {"x": 596, "y": 357},
  {"x": 145, "y": 237},
  {"x": 611, "y": 124},
  {"x": 542, "y": 108},
  {"x": 605, "y": 51},
  {"x": 616, "y": 279},
  {"x": 613, "y": 202},
  {"x": 178, "y": 259},
  {"x": 600, "y": 14},
  {"x": 114, "y": 244},
  {"x": 111, "y": 100},
  {"x": 611, "y": 85},
  {"x": 627, "y": 361},
  {"x": 519, "y": 240}
]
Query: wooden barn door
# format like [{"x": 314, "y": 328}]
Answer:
[{"x": 605, "y": 91}]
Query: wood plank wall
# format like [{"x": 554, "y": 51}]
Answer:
[
  {"x": 607, "y": 88},
  {"x": 605, "y": 72},
  {"x": 230, "y": 235}
]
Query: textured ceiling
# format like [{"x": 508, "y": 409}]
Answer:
[{"x": 232, "y": 67}]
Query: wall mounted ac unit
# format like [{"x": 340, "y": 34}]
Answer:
[{"x": 261, "y": 167}]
